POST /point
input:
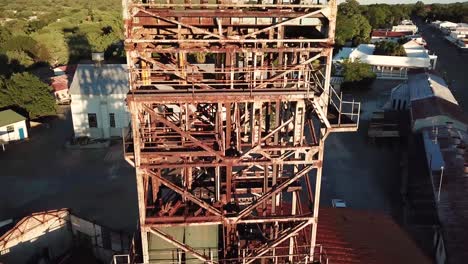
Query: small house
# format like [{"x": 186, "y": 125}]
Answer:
[{"x": 12, "y": 126}]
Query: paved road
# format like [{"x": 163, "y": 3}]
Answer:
[
  {"x": 40, "y": 174},
  {"x": 451, "y": 63}
]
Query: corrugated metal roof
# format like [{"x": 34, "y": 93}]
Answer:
[
  {"x": 343, "y": 54},
  {"x": 106, "y": 79},
  {"x": 418, "y": 59},
  {"x": 432, "y": 107},
  {"x": 19, "y": 233},
  {"x": 453, "y": 205},
  {"x": 432, "y": 148},
  {"x": 425, "y": 85},
  {"x": 397, "y": 61},
  {"x": 354, "y": 236},
  {"x": 8, "y": 117},
  {"x": 59, "y": 83},
  {"x": 391, "y": 34}
]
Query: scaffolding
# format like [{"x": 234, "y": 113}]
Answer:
[{"x": 230, "y": 106}]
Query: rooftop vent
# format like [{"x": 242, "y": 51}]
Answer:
[{"x": 97, "y": 57}]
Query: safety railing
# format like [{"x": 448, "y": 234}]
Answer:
[
  {"x": 347, "y": 112},
  {"x": 209, "y": 4},
  {"x": 301, "y": 255}
]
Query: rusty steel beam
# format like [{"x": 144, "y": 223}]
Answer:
[
  {"x": 168, "y": 221},
  {"x": 264, "y": 249},
  {"x": 210, "y": 13},
  {"x": 213, "y": 96},
  {"x": 182, "y": 133},
  {"x": 232, "y": 134},
  {"x": 272, "y": 192},
  {"x": 208, "y": 164},
  {"x": 185, "y": 194},
  {"x": 226, "y": 41},
  {"x": 227, "y": 6},
  {"x": 194, "y": 29},
  {"x": 235, "y": 49},
  {"x": 287, "y": 22}
]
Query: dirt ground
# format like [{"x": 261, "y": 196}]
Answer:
[{"x": 40, "y": 174}]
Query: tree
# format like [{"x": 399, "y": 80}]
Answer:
[
  {"x": 26, "y": 91},
  {"x": 54, "y": 42},
  {"x": 419, "y": 9},
  {"x": 349, "y": 8},
  {"x": 5, "y": 35},
  {"x": 351, "y": 25},
  {"x": 355, "y": 28},
  {"x": 20, "y": 57},
  {"x": 378, "y": 16},
  {"x": 389, "y": 48},
  {"x": 356, "y": 71}
]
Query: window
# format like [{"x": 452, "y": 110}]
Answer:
[
  {"x": 112, "y": 119},
  {"x": 92, "y": 120},
  {"x": 10, "y": 129}
]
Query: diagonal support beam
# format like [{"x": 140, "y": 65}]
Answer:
[
  {"x": 185, "y": 193},
  {"x": 257, "y": 147},
  {"x": 281, "y": 24},
  {"x": 184, "y": 247},
  {"x": 195, "y": 29},
  {"x": 280, "y": 75},
  {"x": 182, "y": 133},
  {"x": 172, "y": 69},
  {"x": 267, "y": 247},
  {"x": 271, "y": 192}
]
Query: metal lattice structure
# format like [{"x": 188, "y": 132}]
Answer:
[{"x": 230, "y": 105}]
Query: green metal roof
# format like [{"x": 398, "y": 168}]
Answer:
[{"x": 8, "y": 117}]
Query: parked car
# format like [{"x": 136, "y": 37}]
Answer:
[{"x": 338, "y": 203}]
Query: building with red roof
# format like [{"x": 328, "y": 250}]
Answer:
[
  {"x": 350, "y": 236},
  {"x": 386, "y": 35}
]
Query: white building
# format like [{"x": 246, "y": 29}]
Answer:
[
  {"x": 98, "y": 100},
  {"x": 405, "y": 25},
  {"x": 12, "y": 126},
  {"x": 447, "y": 26},
  {"x": 459, "y": 36},
  {"x": 390, "y": 67}
]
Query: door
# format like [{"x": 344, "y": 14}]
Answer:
[{"x": 21, "y": 133}]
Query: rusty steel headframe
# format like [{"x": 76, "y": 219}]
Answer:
[{"x": 229, "y": 105}]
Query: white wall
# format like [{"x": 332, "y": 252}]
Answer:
[
  {"x": 15, "y": 135},
  {"x": 402, "y": 28},
  {"x": 102, "y": 106}
]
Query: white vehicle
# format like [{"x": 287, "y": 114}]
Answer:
[{"x": 338, "y": 203}]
